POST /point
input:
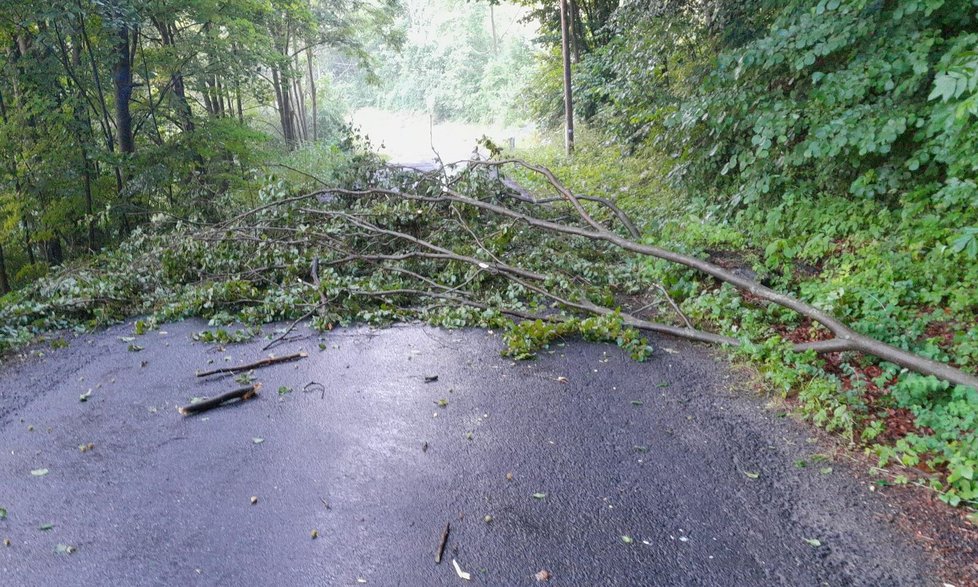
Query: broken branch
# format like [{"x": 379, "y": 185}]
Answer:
[
  {"x": 237, "y": 395},
  {"x": 255, "y": 365}
]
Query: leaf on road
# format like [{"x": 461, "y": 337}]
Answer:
[
  {"x": 539, "y": 495},
  {"x": 39, "y": 472},
  {"x": 134, "y": 348},
  {"x": 543, "y": 575},
  {"x": 45, "y": 527},
  {"x": 627, "y": 539},
  {"x": 752, "y": 474},
  {"x": 814, "y": 542},
  {"x": 64, "y": 549},
  {"x": 637, "y": 402},
  {"x": 258, "y": 440},
  {"x": 3, "y": 513},
  {"x": 84, "y": 397}
]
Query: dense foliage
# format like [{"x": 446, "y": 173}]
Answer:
[
  {"x": 111, "y": 112},
  {"x": 829, "y": 147}
]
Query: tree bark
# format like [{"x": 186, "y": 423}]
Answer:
[
  {"x": 568, "y": 99},
  {"x": 312, "y": 96},
  {"x": 4, "y": 281},
  {"x": 122, "y": 78},
  {"x": 84, "y": 124}
]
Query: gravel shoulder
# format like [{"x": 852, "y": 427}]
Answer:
[{"x": 676, "y": 454}]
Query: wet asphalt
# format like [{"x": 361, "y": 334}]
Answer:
[{"x": 594, "y": 468}]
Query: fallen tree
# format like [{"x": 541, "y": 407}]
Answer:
[{"x": 451, "y": 239}]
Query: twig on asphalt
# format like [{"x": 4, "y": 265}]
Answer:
[
  {"x": 255, "y": 365},
  {"x": 238, "y": 395},
  {"x": 441, "y": 545}
]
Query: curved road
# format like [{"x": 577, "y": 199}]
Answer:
[{"x": 596, "y": 469}]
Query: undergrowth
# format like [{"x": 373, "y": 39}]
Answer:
[{"x": 890, "y": 271}]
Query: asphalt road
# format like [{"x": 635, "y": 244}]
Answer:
[{"x": 673, "y": 454}]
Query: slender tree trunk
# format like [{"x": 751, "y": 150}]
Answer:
[
  {"x": 219, "y": 96},
  {"x": 122, "y": 78},
  {"x": 300, "y": 111},
  {"x": 492, "y": 27},
  {"x": 237, "y": 96},
  {"x": 178, "y": 88},
  {"x": 312, "y": 96},
  {"x": 4, "y": 281},
  {"x": 28, "y": 241},
  {"x": 106, "y": 124},
  {"x": 284, "y": 108},
  {"x": 84, "y": 125},
  {"x": 575, "y": 32},
  {"x": 568, "y": 99}
]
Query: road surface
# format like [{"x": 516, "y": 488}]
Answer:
[{"x": 591, "y": 467}]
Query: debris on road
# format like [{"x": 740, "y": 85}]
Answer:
[
  {"x": 542, "y": 576},
  {"x": 238, "y": 395},
  {"x": 442, "y": 543},
  {"x": 256, "y": 365},
  {"x": 460, "y": 572}
]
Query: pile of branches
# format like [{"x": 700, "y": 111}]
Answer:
[{"x": 468, "y": 242}]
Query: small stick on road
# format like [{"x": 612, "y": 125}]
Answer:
[
  {"x": 238, "y": 395},
  {"x": 255, "y": 365},
  {"x": 441, "y": 545}
]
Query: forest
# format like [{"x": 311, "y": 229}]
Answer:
[{"x": 176, "y": 158}]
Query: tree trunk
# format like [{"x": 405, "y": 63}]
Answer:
[
  {"x": 237, "y": 97},
  {"x": 300, "y": 110},
  {"x": 28, "y": 244},
  {"x": 312, "y": 96},
  {"x": 122, "y": 78},
  {"x": 4, "y": 281},
  {"x": 178, "y": 88},
  {"x": 53, "y": 251},
  {"x": 492, "y": 27},
  {"x": 84, "y": 124},
  {"x": 568, "y": 100},
  {"x": 575, "y": 32},
  {"x": 284, "y": 108}
]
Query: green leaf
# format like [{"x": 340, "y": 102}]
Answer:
[
  {"x": 39, "y": 472},
  {"x": 284, "y": 390},
  {"x": 3, "y": 513},
  {"x": 752, "y": 474},
  {"x": 45, "y": 527},
  {"x": 814, "y": 542},
  {"x": 627, "y": 539},
  {"x": 539, "y": 495},
  {"x": 637, "y": 402}
]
